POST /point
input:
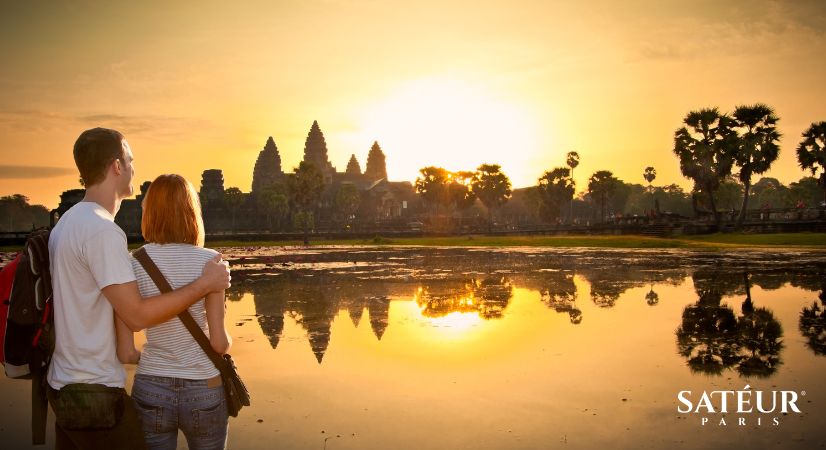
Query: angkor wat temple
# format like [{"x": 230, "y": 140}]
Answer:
[{"x": 379, "y": 203}]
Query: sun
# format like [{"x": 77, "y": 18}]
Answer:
[{"x": 452, "y": 124}]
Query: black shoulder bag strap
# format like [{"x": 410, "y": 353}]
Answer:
[{"x": 196, "y": 331}]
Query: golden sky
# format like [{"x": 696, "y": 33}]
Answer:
[{"x": 200, "y": 85}]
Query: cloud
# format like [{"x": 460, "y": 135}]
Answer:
[
  {"x": 28, "y": 172},
  {"x": 157, "y": 126}
]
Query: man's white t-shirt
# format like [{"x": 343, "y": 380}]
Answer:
[{"x": 87, "y": 252}]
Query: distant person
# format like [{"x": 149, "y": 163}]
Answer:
[
  {"x": 176, "y": 385},
  {"x": 93, "y": 280}
]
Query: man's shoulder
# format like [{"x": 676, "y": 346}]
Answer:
[{"x": 89, "y": 218}]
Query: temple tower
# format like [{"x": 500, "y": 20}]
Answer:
[
  {"x": 376, "y": 166},
  {"x": 353, "y": 167},
  {"x": 212, "y": 186},
  {"x": 315, "y": 151},
  {"x": 267, "y": 167}
]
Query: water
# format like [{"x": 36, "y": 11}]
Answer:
[{"x": 519, "y": 348}]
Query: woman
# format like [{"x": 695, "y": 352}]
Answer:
[{"x": 176, "y": 385}]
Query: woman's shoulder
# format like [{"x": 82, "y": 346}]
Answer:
[
  {"x": 180, "y": 250},
  {"x": 208, "y": 252}
]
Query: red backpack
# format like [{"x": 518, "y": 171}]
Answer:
[{"x": 6, "y": 280}]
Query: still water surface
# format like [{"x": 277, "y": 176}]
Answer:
[{"x": 519, "y": 348}]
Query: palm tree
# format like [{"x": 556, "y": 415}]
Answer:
[
  {"x": 572, "y": 160},
  {"x": 305, "y": 185},
  {"x": 811, "y": 153},
  {"x": 650, "y": 174},
  {"x": 347, "y": 202},
  {"x": 442, "y": 188},
  {"x": 757, "y": 145},
  {"x": 234, "y": 199},
  {"x": 706, "y": 148},
  {"x": 492, "y": 187},
  {"x": 601, "y": 186},
  {"x": 555, "y": 188},
  {"x": 432, "y": 185},
  {"x": 273, "y": 202}
]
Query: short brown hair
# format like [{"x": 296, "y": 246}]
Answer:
[
  {"x": 172, "y": 212},
  {"x": 94, "y": 150}
]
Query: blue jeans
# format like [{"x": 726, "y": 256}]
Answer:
[{"x": 167, "y": 404}]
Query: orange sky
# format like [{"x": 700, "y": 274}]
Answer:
[{"x": 199, "y": 85}]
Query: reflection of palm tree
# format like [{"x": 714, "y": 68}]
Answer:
[
  {"x": 652, "y": 298},
  {"x": 813, "y": 324},
  {"x": 712, "y": 339},
  {"x": 487, "y": 297},
  {"x": 761, "y": 335},
  {"x": 494, "y": 294},
  {"x": 560, "y": 295},
  {"x": 706, "y": 337},
  {"x": 605, "y": 294}
]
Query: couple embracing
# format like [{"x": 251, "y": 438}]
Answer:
[{"x": 102, "y": 295}]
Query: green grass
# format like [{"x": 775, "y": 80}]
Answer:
[
  {"x": 712, "y": 241},
  {"x": 709, "y": 241},
  {"x": 762, "y": 240}
]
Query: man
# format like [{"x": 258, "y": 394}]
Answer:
[{"x": 92, "y": 278}]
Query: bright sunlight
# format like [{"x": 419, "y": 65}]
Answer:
[{"x": 452, "y": 124}]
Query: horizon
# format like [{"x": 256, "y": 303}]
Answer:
[{"x": 203, "y": 86}]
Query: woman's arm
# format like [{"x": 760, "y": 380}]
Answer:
[
  {"x": 218, "y": 335},
  {"x": 127, "y": 353}
]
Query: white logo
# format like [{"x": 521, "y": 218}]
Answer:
[{"x": 742, "y": 402}]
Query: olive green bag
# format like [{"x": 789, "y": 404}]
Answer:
[{"x": 82, "y": 406}]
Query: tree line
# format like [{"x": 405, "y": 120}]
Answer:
[
  {"x": 18, "y": 215},
  {"x": 721, "y": 153}
]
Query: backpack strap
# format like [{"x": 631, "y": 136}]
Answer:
[{"x": 163, "y": 285}]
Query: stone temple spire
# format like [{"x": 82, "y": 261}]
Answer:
[
  {"x": 376, "y": 167},
  {"x": 353, "y": 167},
  {"x": 267, "y": 168},
  {"x": 315, "y": 151}
]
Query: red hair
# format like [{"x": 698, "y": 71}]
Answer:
[{"x": 172, "y": 212}]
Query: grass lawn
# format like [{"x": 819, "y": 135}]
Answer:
[
  {"x": 719, "y": 241},
  {"x": 712, "y": 241}
]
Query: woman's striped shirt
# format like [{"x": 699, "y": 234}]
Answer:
[{"x": 170, "y": 349}]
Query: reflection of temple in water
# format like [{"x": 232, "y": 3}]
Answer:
[
  {"x": 313, "y": 306},
  {"x": 313, "y": 288}
]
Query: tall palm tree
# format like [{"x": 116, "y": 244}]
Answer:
[
  {"x": 811, "y": 153},
  {"x": 492, "y": 187},
  {"x": 757, "y": 145},
  {"x": 234, "y": 199},
  {"x": 273, "y": 202},
  {"x": 650, "y": 174},
  {"x": 572, "y": 160},
  {"x": 305, "y": 186},
  {"x": 705, "y": 146},
  {"x": 555, "y": 187},
  {"x": 602, "y": 186}
]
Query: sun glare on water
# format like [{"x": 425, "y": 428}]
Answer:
[
  {"x": 451, "y": 124},
  {"x": 455, "y": 323}
]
